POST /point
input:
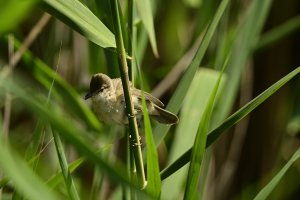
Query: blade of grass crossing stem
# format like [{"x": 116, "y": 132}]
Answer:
[
  {"x": 17, "y": 170},
  {"x": 176, "y": 101},
  {"x": 266, "y": 191},
  {"x": 230, "y": 121},
  {"x": 80, "y": 18},
  {"x": 198, "y": 148},
  {"x": 73, "y": 194},
  {"x": 145, "y": 12},
  {"x": 58, "y": 178},
  {"x": 44, "y": 74},
  {"x": 153, "y": 177}
]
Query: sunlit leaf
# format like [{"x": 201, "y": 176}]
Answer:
[
  {"x": 145, "y": 12},
  {"x": 80, "y": 18}
]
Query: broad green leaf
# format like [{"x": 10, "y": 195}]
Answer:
[
  {"x": 80, "y": 18},
  {"x": 17, "y": 170},
  {"x": 266, "y": 191},
  {"x": 193, "y": 107},
  {"x": 176, "y": 101},
  {"x": 230, "y": 121},
  {"x": 12, "y": 12},
  {"x": 145, "y": 12},
  {"x": 198, "y": 148}
]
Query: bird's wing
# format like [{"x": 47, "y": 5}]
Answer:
[{"x": 147, "y": 96}]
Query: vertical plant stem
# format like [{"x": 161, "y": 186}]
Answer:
[
  {"x": 133, "y": 129},
  {"x": 132, "y": 168}
]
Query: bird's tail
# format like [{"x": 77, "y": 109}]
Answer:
[{"x": 163, "y": 116}]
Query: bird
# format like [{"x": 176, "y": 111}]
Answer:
[{"x": 108, "y": 102}]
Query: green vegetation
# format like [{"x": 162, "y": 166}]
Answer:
[{"x": 229, "y": 69}]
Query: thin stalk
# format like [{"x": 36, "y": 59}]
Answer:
[
  {"x": 73, "y": 194},
  {"x": 130, "y": 38},
  {"x": 132, "y": 169},
  {"x": 133, "y": 129},
  {"x": 65, "y": 167}
]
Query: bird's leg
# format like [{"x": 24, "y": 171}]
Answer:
[{"x": 133, "y": 142}]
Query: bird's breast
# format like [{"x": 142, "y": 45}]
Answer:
[{"x": 109, "y": 111}]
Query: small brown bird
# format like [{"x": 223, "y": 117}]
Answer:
[{"x": 108, "y": 102}]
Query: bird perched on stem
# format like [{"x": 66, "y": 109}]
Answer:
[{"x": 108, "y": 102}]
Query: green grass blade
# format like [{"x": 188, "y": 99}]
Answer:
[
  {"x": 198, "y": 148},
  {"x": 80, "y": 18},
  {"x": 193, "y": 108},
  {"x": 58, "y": 178},
  {"x": 145, "y": 12},
  {"x": 72, "y": 191},
  {"x": 24, "y": 180},
  {"x": 249, "y": 107},
  {"x": 266, "y": 191},
  {"x": 176, "y": 101},
  {"x": 13, "y": 11},
  {"x": 230, "y": 121},
  {"x": 243, "y": 45},
  {"x": 279, "y": 32},
  {"x": 153, "y": 176}
]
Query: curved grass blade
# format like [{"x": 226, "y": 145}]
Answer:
[
  {"x": 80, "y": 18},
  {"x": 145, "y": 12},
  {"x": 176, "y": 101},
  {"x": 17, "y": 170},
  {"x": 230, "y": 121},
  {"x": 266, "y": 191}
]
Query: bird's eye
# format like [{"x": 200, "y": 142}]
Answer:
[{"x": 101, "y": 89}]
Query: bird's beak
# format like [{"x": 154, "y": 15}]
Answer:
[{"x": 87, "y": 96}]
